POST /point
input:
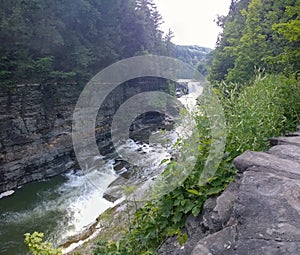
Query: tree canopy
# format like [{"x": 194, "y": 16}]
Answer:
[
  {"x": 257, "y": 35},
  {"x": 44, "y": 40}
]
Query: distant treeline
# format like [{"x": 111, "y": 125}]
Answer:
[{"x": 198, "y": 57}]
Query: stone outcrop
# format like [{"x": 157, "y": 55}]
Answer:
[
  {"x": 35, "y": 128},
  {"x": 257, "y": 214}
]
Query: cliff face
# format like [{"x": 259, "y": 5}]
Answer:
[
  {"x": 36, "y": 123},
  {"x": 35, "y": 137}
]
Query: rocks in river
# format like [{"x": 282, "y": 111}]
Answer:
[
  {"x": 117, "y": 189},
  {"x": 144, "y": 126},
  {"x": 121, "y": 166},
  {"x": 128, "y": 177},
  {"x": 257, "y": 214}
]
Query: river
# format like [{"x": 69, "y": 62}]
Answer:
[{"x": 62, "y": 206}]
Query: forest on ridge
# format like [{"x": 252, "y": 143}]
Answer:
[{"x": 43, "y": 41}]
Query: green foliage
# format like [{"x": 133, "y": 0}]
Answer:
[
  {"x": 41, "y": 39},
  {"x": 291, "y": 28},
  {"x": 202, "y": 68},
  {"x": 42, "y": 67},
  {"x": 36, "y": 245},
  {"x": 269, "y": 107},
  {"x": 112, "y": 248},
  {"x": 166, "y": 215},
  {"x": 288, "y": 30},
  {"x": 257, "y": 34},
  {"x": 190, "y": 54},
  {"x": 226, "y": 50}
]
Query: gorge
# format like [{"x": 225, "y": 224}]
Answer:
[
  {"x": 36, "y": 125},
  {"x": 36, "y": 144}
]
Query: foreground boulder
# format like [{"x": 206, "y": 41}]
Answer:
[{"x": 257, "y": 214}]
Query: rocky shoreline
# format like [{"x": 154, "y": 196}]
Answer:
[
  {"x": 108, "y": 220},
  {"x": 256, "y": 214}
]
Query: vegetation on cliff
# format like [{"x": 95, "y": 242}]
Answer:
[
  {"x": 257, "y": 35},
  {"x": 64, "y": 40},
  {"x": 267, "y": 107},
  {"x": 193, "y": 55},
  {"x": 38, "y": 247}
]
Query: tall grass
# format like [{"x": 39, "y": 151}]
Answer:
[{"x": 268, "y": 107}]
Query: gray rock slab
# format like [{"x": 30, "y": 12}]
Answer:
[
  {"x": 219, "y": 243},
  {"x": 246, "y": 247},
  {"x": 268, "y": 162},
  {"x": 265, "y": 219},
  {"x": 268, "y": 206},
  {"x": 215, "y": 215},
  {"x": 290, "y": 152},
  {"x": 257, "y": 214},
  {"x": 266, "y": 247},
  {"x": 294, "y": 134}
]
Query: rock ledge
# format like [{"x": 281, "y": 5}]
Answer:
[{"x": 257, "y": 214}]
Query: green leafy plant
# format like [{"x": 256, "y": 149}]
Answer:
[{"x": 36, "y": 245}]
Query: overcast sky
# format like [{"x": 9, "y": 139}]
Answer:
[{"x": 192, "y": 21}]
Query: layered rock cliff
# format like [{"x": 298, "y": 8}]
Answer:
[{"x": 36, "y": 123}]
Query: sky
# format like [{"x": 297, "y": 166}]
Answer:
[{"x": 192, "y": 21}]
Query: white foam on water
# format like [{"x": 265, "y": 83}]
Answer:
[
  {"x": 142, "y": 154},
  {"x": 6, "y": 193},
  {"x": 78, "y": 202},
  {"x": 85, "y": 202}
]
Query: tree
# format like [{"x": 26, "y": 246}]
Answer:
[
  {"x": 225, "y": 54},
  {"x": 169, "y": 46},
  {"x": 289, "y": 31},
  {"x": 258, "y": 34},
  {"x": 81, "y": 37}
]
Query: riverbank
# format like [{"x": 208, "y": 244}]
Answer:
[{"x": 112, "y": 223}]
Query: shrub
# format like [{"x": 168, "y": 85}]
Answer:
[
  {"x": 269, "y": 107},
  {"x": 36, "y": 245}
]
